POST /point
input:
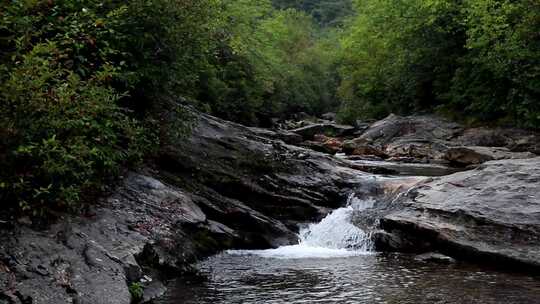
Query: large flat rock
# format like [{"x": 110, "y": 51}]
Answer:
[{"x": 490, "y": 214}]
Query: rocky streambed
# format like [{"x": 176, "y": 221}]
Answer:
[{"x": 229, "y": 186}]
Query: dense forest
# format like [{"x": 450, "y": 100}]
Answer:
[{"x": 90, "y": 87}]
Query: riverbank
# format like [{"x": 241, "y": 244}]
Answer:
[{"x": 228, "y": 186}]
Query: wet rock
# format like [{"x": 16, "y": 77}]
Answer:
[
  {"x": 328, "y": 129},
  {"x": 433, "y": 257},
  {"x": 396, "y": 241},
  {"x": 490, "y": 214},
  {"x": 152, "y": 291}
]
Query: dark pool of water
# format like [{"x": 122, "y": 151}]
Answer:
[{"x": 361, "y": 279}]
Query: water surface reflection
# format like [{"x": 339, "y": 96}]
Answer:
[{"x": 376, "y": 278}]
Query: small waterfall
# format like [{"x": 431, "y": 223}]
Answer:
[
  {"x": 333, "y": 236},
  {"x": 336, "y": 231}
]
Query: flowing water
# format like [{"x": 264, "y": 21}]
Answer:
[{"x": 334, "y": 263}]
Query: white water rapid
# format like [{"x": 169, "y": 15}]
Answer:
[{"x": 334, "y": 236}]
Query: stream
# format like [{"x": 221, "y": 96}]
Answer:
[{"x": 334, "y": 262}]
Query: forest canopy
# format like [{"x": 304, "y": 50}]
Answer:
[
  {"x": 85, "y": 85},
  {"x": 477, "y": 59}
]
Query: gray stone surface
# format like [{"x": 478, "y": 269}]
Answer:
[
  {"x": 491, "y": 213},
  {"x": 328, "y": 129}
]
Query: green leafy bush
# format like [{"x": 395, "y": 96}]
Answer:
[
  {"x": 136, "y": 290},
  {"x": 82, "y": 88},
  {"x": 64, "y": 135}
]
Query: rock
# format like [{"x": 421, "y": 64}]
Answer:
[
  {"x": 407, "y": 169},
  {"x": 152, "y": 291},
  {"x": 434, "y": 257},
  {"x": 301, "y": 116},
  {"x": 483, "y": 137},
  {"x": 490, "y": 214},
  {"x": 359, "y": 147},
  {"x": 329, "y": 116},
  {"x": 428, "y": 138},
  {"x": 464, "y": 156},
  {"x": 319, "y": 147},
  {"x": 393, "y": 127},
  {"x": 334, "y": 143},
  {"x": 331, "y": 145},
  {"x": 289, "y": 137},
  {"x": 232, "y": 168},
  {"x": 328, "y": 129},
  {"x": 286, "y": 136},
  {"x": 417, "y": 137},
  {"x": 417, "y": 148},
  {"x": 361, "y": 157},
  {"x": 361, "y": 127},
  {"x": 529, "y": 143},
  {"x": 397, "y": 242},
  {"x": 517, "y": 140}
]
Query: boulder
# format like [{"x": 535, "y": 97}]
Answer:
[
  {"x": 490, "y": 214},
  {"x": 429, "y": 138},
  {"x": 434, "y": 257},
  {"x": 328, "y": 129},
  {"x": 417, "y": 137},
  {"x": 331, "y": 116},
  {"x": 417, "y": 149},
  {"x": 363, "y": 148},
  {"x": 464, "y": 156},
  {"x": 484, "y": 137},
  {"x": 426, "y": 127},
  {"x": 517, "y": 140},
  {"x": 528, "y": 143}
]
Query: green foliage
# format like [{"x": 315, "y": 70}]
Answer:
[
  {"x": 473, "y": 58},
  {"x": 63, "y": 135},
  {"x": 82, "y": 90},
  {"x": 325, "y": 12},
  {"x": 499, "y": 77},
  {"x": 136, "y": 290},
  {"x": 269, "y": 63}
]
